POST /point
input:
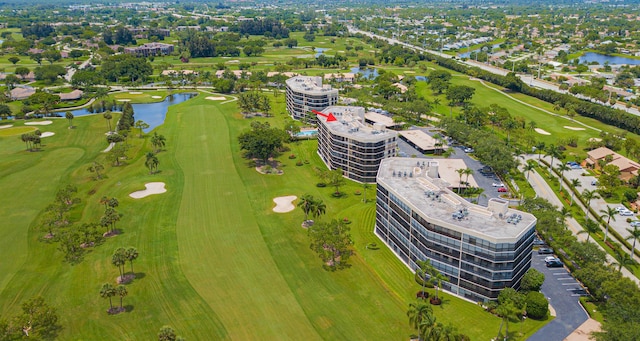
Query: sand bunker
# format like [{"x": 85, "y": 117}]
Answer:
[
  {"x": 124, "y": 100},
  {"x": 152, "y": 188},
  {"x": 47, "y": 134},
  {"x": 573, "y": 128},
  {"x": 211, "y": 98},
  {"x": 41, "y": 123},
  {"x": 233, "y": 61},
  {"x": 156, "y": 96},
  {"x": 542, "y": 131},
  {"x": 284, "y": 204},
  {"x": 6, "y": 126},
  {"x": 135, "y": 93}
]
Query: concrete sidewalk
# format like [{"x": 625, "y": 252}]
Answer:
[{"x": 584, "y": 331}]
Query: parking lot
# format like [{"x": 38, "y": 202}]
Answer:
[
  {"x": 562, "y": 291},
  {"x": 484, "y": 181}
]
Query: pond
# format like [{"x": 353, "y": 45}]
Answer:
[
  {"x": 467, "y": 53},
  {"x": 601, "y": 59},
  {"x": 421, "y": 78},
  {"x": 151, "y": 113},
  {"x": 319, "y": 51},
  {"x": 366, "y": 73}
]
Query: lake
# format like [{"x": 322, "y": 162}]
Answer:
[
  {"x": 590, "y": 57},
  {"x": 319, "y": 51},
  {"x": 467, "y": 53},
  {"x": 366, "y": 73},
  {"x": 151, "y": 113}
]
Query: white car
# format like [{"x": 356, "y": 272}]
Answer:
[
  {"x": 551, "y": 259},
  {"x": 498, "y": 184},
  {"x": 626, "y": 213},
  {"x": 635, "y": 223},
  {"x": 468, "y": 150},
  {"x": 621, "y": 209}
]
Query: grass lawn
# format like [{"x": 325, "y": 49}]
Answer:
[{"x": 215, "y": 261}]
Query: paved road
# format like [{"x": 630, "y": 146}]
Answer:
[{"x": 563, "y": 292}]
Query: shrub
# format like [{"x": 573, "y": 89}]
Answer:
[
  {"x": 357, "y": 192},
  {"x": 532, "y": 280},
  {"x": 321, "y": 184},
  {"x": 299, "y": 163},
  {"x": 292, "y": 156},
  {"x": 537, "y": 305}
]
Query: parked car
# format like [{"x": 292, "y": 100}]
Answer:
[
  {"x": 545, "y": 251},
  {"x": 635, "y": 223},
  {"x": 626, "y": 213},
  {"x": 502, "y": 189},
  {"x": 468, "y": 150},
  {"x": 551, "y": 258},
  {"x": 554, "y": 264},
  {"x": 537, "y": 241},
  {"x": 621, "y": 209},
  {"x": 594, "y": 183},
  {"x": 497, "y": 184}
]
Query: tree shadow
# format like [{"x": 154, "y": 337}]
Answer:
[
  {"x": 140, "y": 275},
  {"x": 128, "y": 308}
]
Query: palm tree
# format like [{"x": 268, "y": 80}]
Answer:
[
  {"x": 561, "y": 168},
  {"x": 609, "y": 213},
  {"x": 140, "y": 124},
  {"x": 588, "y": 195},
  {"x": 418, "y": 313},
  {"x": 104, "y": 201},
  {"x": 118, "y": 259},
  {"x": 460, "y": 172},
  {"x": 424, "y": 268},
  {"x": 131, "y": 254},
  {"x": 365, "y": 187},
  {"x": 108, "y": 291},
  {"x": 158, "y": 141},
  {"x": 564, "y": 214},
  {"x": 622, "y": 259},
  {"x": 467, "y": 172},
  {"x": 318, "y": 208},
  {"x": 528, "y": 167},
  {"x": 575, "y": 183},
  {"x": 635, "y": 235},
  {"x": 506, "y": 311},
  {"x": 69, "y": 116},
  {"x": 540, "y": 148},
  {"x": 436, "y": 278},
  {"x": 306, "y": 203},
  {"x": 107, "y": 116},
  {"x": 590, "y": 227},
  {"x": 554, "y": 152},
  {"x": 151, "y": 162},
  {"x": 121, "y": 291},
  {"x": 509, "y": 126}
]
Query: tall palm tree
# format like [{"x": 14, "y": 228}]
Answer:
[
  {"x": 318, "y": 208},
  {"x": 306, "y": 204},
  {"x": 436, "y": 277},
  {"x": 609, "y": 213},
  {"x": 590, "y": 227},
  {"x": 131, "y": 254},
  {"x": 467, "y": 172},
  {"x": 564, "y": 214},
  {"x": 540, "y": 148},
  {"x": 622, "y": 259},
  {"x": 575, "y": 183},
  {"x": 554, "y": 152},
  {"x": 104, "y": 201},
  {"x": 158, "y": 141},
  {"x": 460, "y": 172},
  {"x": 151, "y": 162},
  {"x": 365, "y": 187},
  {"x": 108, "y": 291},
  {"x": 118, "y": 259},
  {"x": 419, "y": 312},
  {"x": 69, "y": 116},
  {"x": 561, "y": 168},
  {"x": 635, "y": 235},
  {"x": 424, "y": 268},
  {"x": 506, "y": 311},
  {"x": 528, "y": 167},
  {"x": 121, "y": 291},
  {"x": 107, "y": 116},
  {"x": 588, "y": 195}
]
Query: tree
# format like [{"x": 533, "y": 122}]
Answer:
[
  {"x": 575, "y": 183},
  {"x": 119, "y": 259},
  {"x": 609, "y": 213},
  {"x": 590, "y": 227},
  {"x": 22, "y": 72},
  {"x": 96, "y": 167},
  {"x": 532, "y": 280},
  {"x": 587, "y": 196},
  {"x": 167, "y": 334},
  {"x": 460, "y": 172},
  {"x": 459, "y": 94},
  {"x": 436, "y": 277},
  {"x": 140, "y": 124},
  {"x": 108, "y": 291},
  {"x": 554, "y": 152},
  {"x": 561, "y": 168},
  {"x": 365, "y": 187},
  {"x": 332, "y": 242},
  {"x": 13, "y": 59},
  {"x": 537, "y": 305},
  {"x": 635, "y": 235},
  {"x": 336, "y": 180},
  {"x": 38, "y": 320},
  {"x": 528, "y": 167},
  {"x": 158, "y": 141},
  {"x": 622, "y": 259},
  {"x": 506, "y": 311},
  {"x": 420, "y": 315},
  {"x": 131, "y": 254},
  {"x": 424, "y": 268},
  {"x": 262, "y": 141},
  {"x": 151, "y": 162},
  {"x": 306, "y": 204},
  {"x": 121, "y": 291},
  {"x": 107, "y": 116},
  {"x": 318, "y": 208}
]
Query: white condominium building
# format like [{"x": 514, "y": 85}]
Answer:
[{"x": 306, "y": 93}]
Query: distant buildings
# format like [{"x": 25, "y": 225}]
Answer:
[
  {"x": 150, "y": 49},
  {"x": 481, "y": 250},
  {"x": 604, "y": 156},
  {"x": 306, "y": 93},
  {"x": 346, "y": 142}
]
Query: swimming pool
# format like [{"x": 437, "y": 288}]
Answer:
[{"x": 307, "y": 133}]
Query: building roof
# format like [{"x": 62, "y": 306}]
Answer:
[
  {"x": 22, "y": 93},
  {"x": 421, "y": 139},
  {"x": 601, "y": 153},
  {"x": 350, "y": 123},
  {"x": 73, "y": 95},
  {"x": 310, "y": 85},
  {"x": 379, "y": 118},
  {"x": 625, "y": 165},
  {"x": 431, "y": 197}
]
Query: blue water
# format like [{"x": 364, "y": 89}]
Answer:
[
  {"x": 307, "y": 133},
  {"x": 319, "y": 51},
  {"x": 366, "y": 73},
  {"x": 151, "y": 113},
  {"x": 601, "y": 58},
  {"x": 421, "y": 78},
  {"x": 468, "y": 53}
]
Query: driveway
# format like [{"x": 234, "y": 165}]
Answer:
[{"x": 562, "y": 291}]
